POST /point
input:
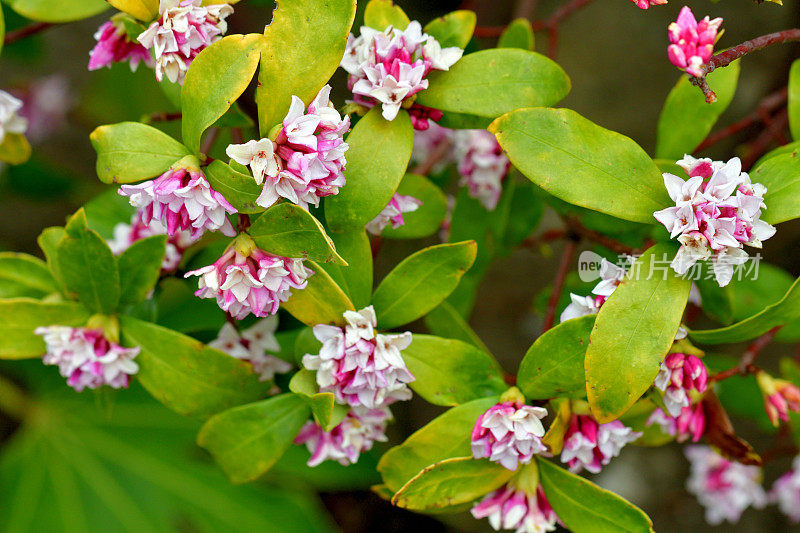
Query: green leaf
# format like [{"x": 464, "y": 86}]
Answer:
[
  {"x": 181, "y": 310},
  {"x": 129, "y": 152},
  {"x": 444, "y": 321},
  {"x": 382, "y": 13},
  {"x": 451, "y": 482},
  {"x": 20, "y": 316},
  {"x": 88, "y": 267},
  {"x": 2, "y": 28},
  {"x": 376, "y": 162},
  {"x": 291, "y": 231},
  {"x": 106, "y": 210},
  {"x": 518, "y": 34},
  {"x": 786, "y": 310},
  {"x": 427, "y": 219},
  {"x": 421, "y": 282},
  {"x": 321, "y": 302},
  {"x": 582, "y": 163},
  {"x": 553, "y": 366},
  {"x": 241, "y": 190},
  {"x": 794, "y": 100},
  {"x": 57, "y": 11},
  {"x": 139, "y": 268},
  {"x": 492, "y": 82},
  {"x": 451, "y": 372},
  {"x": 219, "y": 75},
  {"x": 308, "y": 39},
  {"x": 781, "y": 176},
  {"x": 48, "y": 241},
  {"x": 792, "y": 147},
  {"x": 327, "y": 413},
  {"x": 186, "y": 375},
  {"x": 144, "y": 10},
  {"x": 687, "y": 119},
  {"x": 247, "y": 440},
  {"x": 24, "y": 275},
  {"x": 446, "y": 436},
  {"x": 355, "y": 279},
  {"x": 633, "y": 333},
  {"x": 584, "y": 507},
  {"x": 463, "y": 121},
  {"x": 15, "y": 149},
  {"x": 453, "y": 29}
]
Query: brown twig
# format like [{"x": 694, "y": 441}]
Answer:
[
  {"x": 237, "y": 136},
  {"x": 375, "y": 245},
  {"x": 761, "y": 144},
  {"x": 574, "y": 225},
  {"x": 26, "y": 31},
  {"x": 244, "y": 223},
  {"x": 163, "y": 116},
  {"x": 746, "y": 365},
  {"x": 548, "y": 236},
  {"x": 558, "y": 283}
]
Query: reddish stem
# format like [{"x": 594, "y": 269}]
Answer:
[
  {"x": 550, "y": 23},
  {"x": 163, "y": 116},
  {"x": 375, "y": 245},
  {"x": 746, "y": 365},
  {"x": 761, "y": 144},
  {"x": 558, "y": 283},
  {"x": 598, "y": 238},
  {"x": 26, "y": 31}
]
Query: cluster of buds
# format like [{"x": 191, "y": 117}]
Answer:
[
  {"x": 248, "y": 280},
  {"x": 114, "y": 46},
  {"x": 786, "y": 492},
  {"x": 692, "y": 42},
  {"x": 254, "y": 345},
  {"x": 87, "y": 358},
  {"x": 679, "y": 374},
  {"x": 716, "y": 212},
  {"x": 184, "y": 29},
  {"x": 590, "y": 445},
  {"x": 723, "y": 487},
  {"x": 393, "y": 212},
  {"x": 361, "y": 367},
  {"x": 10, "y": 120},
  {"x": 481, "y": 164},
  {"x": 304, "y": 161},
  {"x": 389, "y": 67},
  {"x": 780, "y": 397},
  {"x": 127, "y": 234},
  {"x": 610, "y": 277},
  {"x": 689, "y": 423},
  {"x": 356, "y": 433},
  {"x": 645, "y": 4},
  {"x": 181, "y": 199},
  {"x": 509, "y": 433}
]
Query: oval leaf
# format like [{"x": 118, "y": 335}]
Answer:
[
  {"x": 241, "y": 190},
  {"x": 781, "y": 176},
  {"x": 518, "y": 34},
  {"x": 633, "y": 333},
  {"x": 794, "y": 100},
  {"x": 24, "y": 275},
  {"x": 581, "y": 163},
  {"x": 421, "y": 282},
  {"x": 380, "y": 14},
  {"x": 427, "y": 219},
  {"x": 453, "y": 29},
  {"x": 321, "y": 302},
  {"x": 492, "y": 82},
  {"x": 20, "y": 316},
  {"x": 57, "y": 11},
  {"x": 144, "y": 10},
  {"x": 139, "y": 268},
  {"x": 444, "y": 321},
  {"x": 355, "y": 279},
  {"x": 327, "y": 413}
]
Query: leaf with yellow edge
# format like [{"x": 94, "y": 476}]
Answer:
[
  {"x": 144, "y": 10},
  {"x": 321, "y": 302}
]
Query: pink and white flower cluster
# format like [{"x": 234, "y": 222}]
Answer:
[
  {"x": 184, "y": 29},
  {"x": 127, "y": 234},
  {"x": 645, "y": 4},
  {"x": 689, "y": 423},
  {"x": 393, "y": 212},
  {"x": 590, "y": 445},
  {"x": 254, "y": 345},
  {"x": 610, "y": 277},
  {"x": 86, "y": 358},
  {"x": 514, "y": 509},
  {"x": 717, "y": 210},
  {"x": 786, "y": 492},
  {"x": 306, "y": 161},
  {"x": 723, "y": 487},
  {"x": 389, "y": 67},
  {"x": 692, "y": 42},
  {"x": 356, "y": 433},
  {"x": 482, "y": 164},
  {"x": 361, "y": 367},
  {"x": 509, "y": 433},
  {"x": 679, "y": 374},
  {"x": 114, "y": 46},
  {"x": 248, "y": 280},
  {"x": 10, "y": 120},
  {"x": 181, "y": 199}
]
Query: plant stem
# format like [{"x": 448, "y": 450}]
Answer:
[
  {"x": 558, "y": 283},
  {"x": 26, "y": 31},
  {"x": 746, "y": 365},
  {"x": 163, "y": 116},
  {"x": 548, "y": 24}
]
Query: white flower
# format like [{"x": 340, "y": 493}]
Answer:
[
  {"x": 252, "y": 345},
  {"x": 10, "y": 121},
  {"x": 258, "y": 155}
]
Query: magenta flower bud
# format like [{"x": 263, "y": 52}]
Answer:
[
  {"x": 590, "y": 445},
  {"x": 644, "y": 4},
  {"x": 393, "y": 212},
  {"x": 356, "y": 433},
  {"x": 692, "y": 42},
  {"x": 515, "y": 509},
  {"x": 87, "y": 358},
  {"x": 679, "y": 374},
  {"x": 509, "y": 433},
  {"x": 114, "y": 46}
]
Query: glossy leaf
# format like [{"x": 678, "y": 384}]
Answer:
[
  {"x": 24, "y": 275},
  {"x": 633, "y": 333},
  {"x": 57, "y": 11},
  {"x": 451, "y": 482},
  {"x": 291, "y": 231},
  {"x": 355, "y": 279},
  {"x": 179, "y": 309},
  {"x": 247, "y": 440},
  {"x": 492, "y": 82},
  {"x": 518, "y": 34},
  {"x": 48, "y": 241},
  {"x": 219, "y": 75},
  {"x": 781, "y": 176},
  {"x": 553, "y": 366},
  {"x": 20, "y": 316},
  {"x": 582, "y": 163},
  {"x": 306, "y": 38},
  {"x": 15, "y": 149},
  {"x": 427, "y": 219},
  {"x": 240, "y": 189},
  {"x": 444, "y": 321},
  {"x": 376, "y": 162},
  {"x": 451, "y": 372},
  {"x": 87, "y": 266},
  {"x": 446, "y": 436},
  {"x": 139, "y": 268},
  {"x": 687, "y": 118},
  {"x": 379, "y": 14},
  {"x": 421, "y": 282},
  {"x": 452, "y": 29},
  {"x": 321, "y": 302},
  {"x": 144, "y": 10},
  {"x": 186, "y": 375},
  {"x": 584, "y": 507},
  {"x": 792, "y": 147},
  {"x": 130, "y": 151},
  {"x": 794, "y": 100},
  {"x": 327, "y": 413}
]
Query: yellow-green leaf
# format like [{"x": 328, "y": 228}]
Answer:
[
  {"x": 144, "y": 10},
  {"x": 518, "y": 34},
  {"x": 20, "y": 316},
  {"x": 453, "y": 29},
  {"x": 57, "y": 11},
  {"x": 321, "y": 302},
  {"x": 380, "y": 14},
  {"x": 781, "y": 176},
  {"x": 15, "y": 149}
]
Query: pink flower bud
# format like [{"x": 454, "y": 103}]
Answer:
[
  {"x": 393, "y": 212},
  {"x": 509, "y": 433},
  {"x": 590, "y": 445},
  {"x": 644, "y": 4},
  {"x": 356, "y": 433},
  {"x": 114, "y": 46},
  {"x": 482, "y": 164},
  {"x": 692, "y": 42},
  {"x": 679, "y": 374}
]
